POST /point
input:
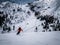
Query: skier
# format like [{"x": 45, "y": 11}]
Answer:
[
  {"x": 13, "y": 27},
  {"x": 36, "y": 29},
  {"x": 19, "y": 30}
]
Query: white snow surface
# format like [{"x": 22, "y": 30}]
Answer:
[
  {"x": 31, "y": 38},
  {"x": 28, "y": 36}
]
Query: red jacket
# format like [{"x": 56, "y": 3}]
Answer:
[{"x": 19, "y": 30}]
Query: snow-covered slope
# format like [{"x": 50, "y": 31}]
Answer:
[
  {"x": 39, "y": 21},
  {"x": 24, "y": 15},
  {"x": 33, "y": 38}
]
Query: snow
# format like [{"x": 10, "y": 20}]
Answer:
[
  {"x": 25, "y": 20},
  {"x": 28, "y": 22},
  {"x": 30, "y": 38}
]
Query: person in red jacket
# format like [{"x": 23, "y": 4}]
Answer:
[{"x": 19, "y": 30}]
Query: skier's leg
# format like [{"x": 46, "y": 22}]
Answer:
[{"x": 18, "y": 33}]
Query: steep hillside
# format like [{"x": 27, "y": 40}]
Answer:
[{"x": 39, "y": 14}]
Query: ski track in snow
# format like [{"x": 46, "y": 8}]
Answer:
[{"x": 30, "y": 38}]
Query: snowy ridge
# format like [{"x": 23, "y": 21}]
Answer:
[{"x": 24, "y": 15}]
